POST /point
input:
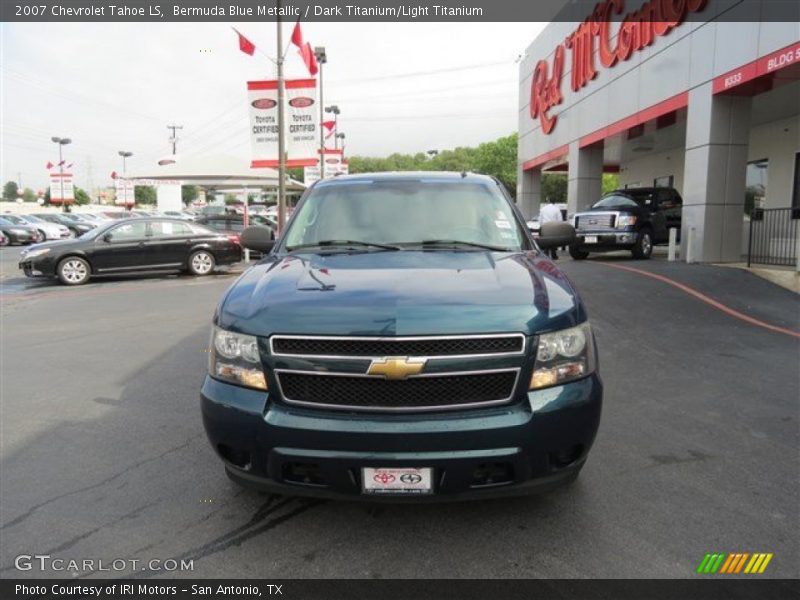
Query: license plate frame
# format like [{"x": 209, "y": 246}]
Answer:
[
  {"x": 397, "y": 481},
  {"x": 590, "y": 239}
]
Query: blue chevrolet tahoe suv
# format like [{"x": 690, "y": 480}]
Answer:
[{"x": 404, "y": 339}]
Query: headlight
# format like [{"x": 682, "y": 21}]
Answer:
[
  {"x": 563, "y": 356},
  {"x": 35, "y": 253},
  {"x": 625, "y": 221},
  {"x": 234, "y": 358}
]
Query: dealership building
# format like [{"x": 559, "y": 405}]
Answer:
[{"x": 700, "y": 95}]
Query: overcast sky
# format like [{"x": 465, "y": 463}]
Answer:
[{"x": 114, "y": 87}]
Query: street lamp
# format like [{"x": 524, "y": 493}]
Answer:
[
  {"x": 334, "y": 110},
  {"x": 322, "y": 58},
  {"x": 61, "y": 142},
  {"x": 339, "y": 136},
  {"x": 125, "y": 156}
]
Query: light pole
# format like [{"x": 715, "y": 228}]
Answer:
[
  {"x": 333, "y": 109},
  {"x": 322, "y": 58},
  {"x": 125, "y": 155},
  {"x": 61, "y": 142}
]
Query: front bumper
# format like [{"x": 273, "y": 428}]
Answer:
[
  {"x": 608, "y": 240},
  {"x": 532, "y": 445},
  {"x": 44, "y": 266}
]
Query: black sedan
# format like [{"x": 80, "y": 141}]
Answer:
[
  {"x": 19, "y": 234},
  {"x": 75, "y": 224},
  {"x": 130, "y": 246}
]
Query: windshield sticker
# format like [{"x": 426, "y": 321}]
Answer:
[{"x": 503, "y": 224}]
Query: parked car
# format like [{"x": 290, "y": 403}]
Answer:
[
  {"x": 49, "y": 231},
  {"x": 130, "y": 246},
  {"x": 233, "y": 225},
  {"x": 77, "y": 228},
  {"x": 116, "y": 214},
  {"x": 19, "y": 233},
  {"x": 178, "y": 214},
  {"x": 629, "y": 219},
  {"x": 404, "y": 339}
]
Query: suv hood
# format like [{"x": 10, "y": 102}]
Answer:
[{"x": 401, "y": 293}]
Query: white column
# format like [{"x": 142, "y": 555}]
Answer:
[
  {"x": 584, "y": 178},
  {"x": 717, "y": 134},
  {"x": 529, "y": 191}
]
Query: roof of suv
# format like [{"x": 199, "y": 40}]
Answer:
[{"x": 411, "y": 175}]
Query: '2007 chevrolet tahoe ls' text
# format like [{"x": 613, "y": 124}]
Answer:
[{"x": 404, "y": 339}]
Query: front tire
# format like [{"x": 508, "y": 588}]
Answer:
[
  {"x": 578, "y": 254},
  {"x": 73, "y": 270},
  {"x": 201, "y": 263},
  {"x": 644, "y": 245}
]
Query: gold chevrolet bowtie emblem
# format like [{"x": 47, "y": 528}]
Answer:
[{"x": 398, "y": 367}]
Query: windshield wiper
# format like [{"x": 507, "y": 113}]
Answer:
[
  {"x": 457, "y": 243},
  {"x": 343, "y": 244}
]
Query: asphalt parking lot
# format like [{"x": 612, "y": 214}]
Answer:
[{"x": 104, "y": 455}]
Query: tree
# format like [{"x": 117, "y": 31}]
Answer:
[
  {"x": 144, "y": 194},
  {"x": 554, "y": 187},
  {"x": 81, "y": 197},
  {"x": 28, "y": 195},
  {"x": 610, "y": 182},
  {"x": 10, "y": 190},
  {"x": 498, "y": 159},
  {"x": 189, "y": 193}
]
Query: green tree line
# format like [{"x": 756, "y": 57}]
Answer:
[{"x": 497, "y": 158}]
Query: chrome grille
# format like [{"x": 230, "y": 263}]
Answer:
[{"x": 589, "y": 222}]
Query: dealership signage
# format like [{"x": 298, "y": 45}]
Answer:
[
  {"x": 335, "y": 164},
  {"x": 764, "y": 66},
  {"x": 300, "y": 129},
  {"x": 590, "y": 47},
  {"x": 124, "y": 192},
  {"x": 61, "y": 189}
]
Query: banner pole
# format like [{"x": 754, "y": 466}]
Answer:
[{"x": 281, "y": 141}]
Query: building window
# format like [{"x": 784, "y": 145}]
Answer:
[
  {"x": 796, "y": 191},
  {"x": 666, "y": 181},
  {"x": 755, "y": 194}
]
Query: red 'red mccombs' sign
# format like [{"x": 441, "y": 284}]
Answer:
[{"x": 591, "y": 40}]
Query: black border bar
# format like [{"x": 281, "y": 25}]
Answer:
[
  {"x": 79, "y": 11},
  {"x": 701, "y": 588}
]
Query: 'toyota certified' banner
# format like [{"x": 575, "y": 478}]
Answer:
[
  {"x": 124, "y": 192},
  {"x": 300, "y": 127},
  {"x": 61, "y": 189},
  {"x": 335, "y": 164}
]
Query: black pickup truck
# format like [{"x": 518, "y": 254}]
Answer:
[{"x": 630, "y": 219}]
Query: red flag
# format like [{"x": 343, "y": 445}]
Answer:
[
  {"x": 329, "y": 124},
  {"x": 297, "y": 36},
  {"x": 307, "y": 53},
  {"x": 113, "y": 174},
  {"x": 50, "y": 165},
  {"x": 246, "y": 45}
]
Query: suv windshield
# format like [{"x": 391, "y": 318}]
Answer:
[
  {"x": 615, "y": 201},
  {"x": 406, "y": 213}
]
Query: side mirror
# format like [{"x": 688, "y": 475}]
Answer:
[
  {"x": 555, "y": 234},
  {"x": 258, "y": 238},
  {"x": 107, "y": 237}
]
